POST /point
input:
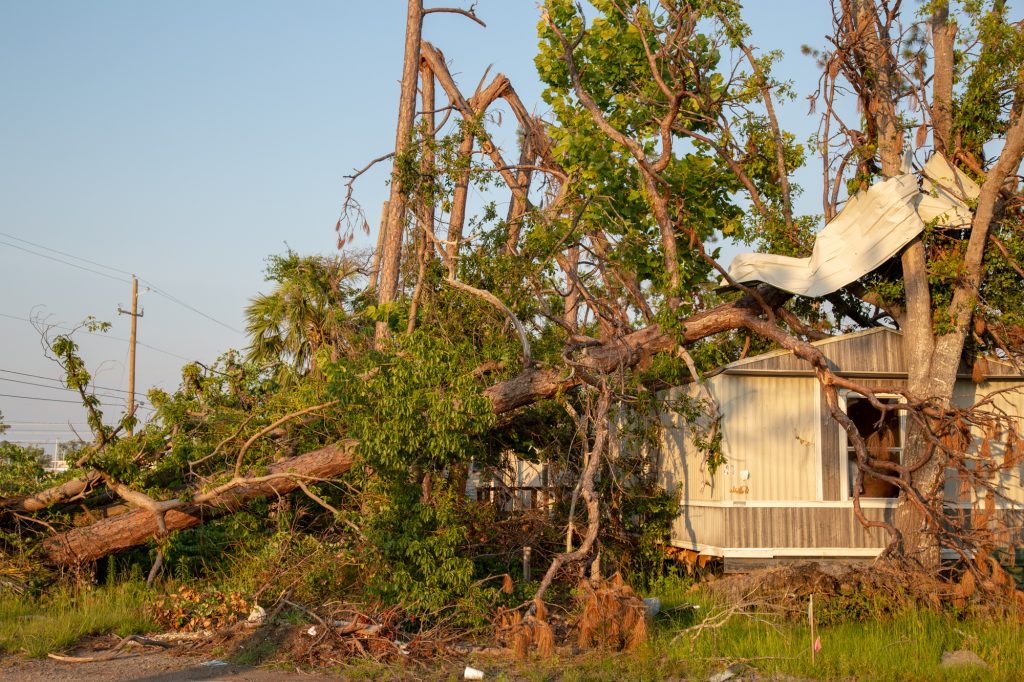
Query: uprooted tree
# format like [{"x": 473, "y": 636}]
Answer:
[{"x": 478, "y": 333}]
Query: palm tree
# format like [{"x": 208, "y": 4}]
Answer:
[{"x": 306, "y": 311}]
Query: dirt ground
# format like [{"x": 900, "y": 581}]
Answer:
[
  {"x": 202, "y": 659},
  {"x": 145, "y": 667},
  {"x": 208, "y": 658}
]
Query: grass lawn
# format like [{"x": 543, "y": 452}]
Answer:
[{"x": 37, "y": 627}]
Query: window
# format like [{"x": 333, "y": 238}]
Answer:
[{"x": 883, "y": 434}]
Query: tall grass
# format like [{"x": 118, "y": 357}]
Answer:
[
  {"x": 37, "y": 626},
  {"x": 905, "y": 646}
]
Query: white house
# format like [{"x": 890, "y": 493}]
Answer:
[{"x": 786, "y": 487}]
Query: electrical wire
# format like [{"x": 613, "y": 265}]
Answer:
[
  {"x": 58, "y": 400},
  {"x": 65, "y": 388},
  {"x": 48, "y": 400},
  {"x": 45, "y": 424},
  {"x": 104, "y": 336},
  {"x": 40, "y": 376},
  {"x": 54, "y": 258},
  {"x": 160, "y": 292},
  {"x": 64, "y": 253},
  {"x": 155, "y": 289},
  {"x": 38, "y": 441},
  {"x": 38, "y": 429}
]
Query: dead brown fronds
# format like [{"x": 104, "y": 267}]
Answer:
[
  {"x": 507, "y": 586},
  {"x": 527, "y": 634},
  {"x": 695, "y": 562},
  {"x": 613, "y": 616}
]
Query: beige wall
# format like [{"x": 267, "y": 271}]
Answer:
[
  {"x": 770, "y": 438},
  {"x": 1010, "y": 405}
]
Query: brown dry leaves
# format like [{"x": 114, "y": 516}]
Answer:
[{"x": 189, "y": 610}]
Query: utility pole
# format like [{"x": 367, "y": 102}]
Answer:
[{"x": 131, "y": 347}]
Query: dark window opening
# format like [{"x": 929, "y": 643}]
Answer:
[{"x": 883, "y": 435}]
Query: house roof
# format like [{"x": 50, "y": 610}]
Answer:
[{"x": 872, "y": 352}]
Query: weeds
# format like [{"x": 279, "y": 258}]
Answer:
[{"x": 37, "y": 626}]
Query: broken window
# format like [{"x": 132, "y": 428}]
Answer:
[{"x": 883, "y": 433}]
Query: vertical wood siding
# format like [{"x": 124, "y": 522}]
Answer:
[
  {"x": 679, "y": 464},
  {"x": 771, "y": 429},
  {"x": 779, "y": 527}
]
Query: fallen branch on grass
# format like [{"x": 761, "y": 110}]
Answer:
[{"x": 113, "y": 652}]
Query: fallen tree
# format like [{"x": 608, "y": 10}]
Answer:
[
  {"x": 124, "y": 531},
  {"x": 89, "y": 543}
]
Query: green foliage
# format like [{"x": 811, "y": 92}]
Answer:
[
  {"x": 305, "y": 313},
  {"x": 421, "y": 406},
  {"x": 414, "y": 552},
  {"x": 21, "y": 468},
  {"x": 988, "y": 62},
  {"x": 419, "y": 413}
]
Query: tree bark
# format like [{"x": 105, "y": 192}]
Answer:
[
  {"x": 460, "y": 196},
  {"x": 425, "y": 206},
  {"x": 391, "y": 258},
  {"x": 928, "y": 462},
  {"x": 943, "y": 35},
  {"x": 65, "y": 492},
  {"x": 89, "y": 543}
]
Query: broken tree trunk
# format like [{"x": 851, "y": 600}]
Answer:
[
  {"x": 118, "y": 533},
  {"x": 394, "y": 225},
  {"x": 65, "y": 492},
  {"x": 89, "y": 543}
]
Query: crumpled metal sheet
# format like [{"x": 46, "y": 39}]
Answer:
[{"x": 872, "y": 228}]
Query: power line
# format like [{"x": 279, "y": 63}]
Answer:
[
  {"x": 45, "y": 423},
  {"x": 155, "y": 289},
  {"x": 54, "y": 258},
  {"x": 65, "y": 388},
  {"x": 64, "y": 253},
  {"x": 173, "y": 299},
  {"x": 36, "y": 441},
  {"x": 59, "y": 388},
  {"x": 48, "y": 400},
  {"x": 58, "y": 400},
  {"x": 38, "y": 429},
  {"x": 59, "y": 381},
  {"x": 101, "y": 335}
]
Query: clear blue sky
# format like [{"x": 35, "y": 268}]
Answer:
[{"x": 186, "y": 141}]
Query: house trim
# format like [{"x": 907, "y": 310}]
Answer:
[
  {"x": 865, "y": 502},
  {"x": 773, "y": 552},
  {"x": 820, "y": 473},
  {"x": 799, "y": 373}
]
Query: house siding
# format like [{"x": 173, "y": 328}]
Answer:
[
  {"x": 776, "y": 429},
  {"x": 778, "y": 527},
  {"x": 771, "y": 430},
  {"x": 721, "y": 529}
]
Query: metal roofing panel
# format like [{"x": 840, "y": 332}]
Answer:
[{"x": 872, "y": 228}]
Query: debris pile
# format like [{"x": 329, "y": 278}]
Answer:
[
  {"x": 613, "y": 616},
  {"x": 189, "y": 610}
]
